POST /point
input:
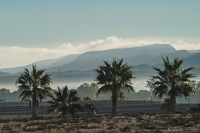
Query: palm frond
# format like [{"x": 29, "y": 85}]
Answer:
[
  {"x": 37, "y": 79},
  {"x": 173, "y": 80}
]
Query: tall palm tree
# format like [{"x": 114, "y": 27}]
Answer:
[
  {"x": 35, "y": 85},
  {"x": 64, "y": 101},
  {"x": 173, "y": 81},
  {"x": 113, "y": 77}
]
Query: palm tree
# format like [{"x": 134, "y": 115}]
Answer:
[
  {"x": 88, "y": 105},
  {"x": 35, "y": 85},
  {"x": 173, "y": 81},
  {"x": 113, "y": 77},
  {"x": 64, "y": 101}
]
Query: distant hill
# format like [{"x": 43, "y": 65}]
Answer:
[
  {"x": 8, "y": 79},
  {"x": 144, "y": 70},
  {"x": 63, "y": 60},
  {"x": 182, "y": 54},
  {"x": 2, "y": 74},
  {"x": 40, "y": 64},
  {"x": 91, "y": 60},
  {"x": 194, "y": 51},
  {"x": 193, "y": 60},
  {"x": 43, "y": 64},
  {"x": 142, "y": 58},
  {"x": 138, "y": 59}
]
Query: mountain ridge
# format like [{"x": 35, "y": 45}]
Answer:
[
  {"x": 90, "y": 60},
  {"x": 149, "y": 54}
]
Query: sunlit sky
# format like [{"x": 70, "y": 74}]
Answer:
[{"x": 32, "y": 30}]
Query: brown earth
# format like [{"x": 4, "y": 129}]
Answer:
[{"x": 129, "y": 123}]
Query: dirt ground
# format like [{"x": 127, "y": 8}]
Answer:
[{"x": 129, "y": 123}]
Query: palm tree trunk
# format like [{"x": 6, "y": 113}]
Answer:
[
  {"x": 64, "y": 110},
  {"x": 34, "y": 107},
  {"x": 114, "y": 101},
  {"x": 173, "y": 104}
]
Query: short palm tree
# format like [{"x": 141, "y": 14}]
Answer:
[
  {"x": 64, "y": 100},
  {"x": 113, "y": 77},
  {"x": 35, "y": 85},
  {"x": 173, "y": 81},
  {"x": 88, "y": 105}
]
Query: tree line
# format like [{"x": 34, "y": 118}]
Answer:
[{"x": 116, "y": 76}]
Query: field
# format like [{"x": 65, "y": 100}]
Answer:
[{"x": 181, "y": 122}]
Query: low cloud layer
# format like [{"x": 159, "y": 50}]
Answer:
[{"x": 13, "y": 56}]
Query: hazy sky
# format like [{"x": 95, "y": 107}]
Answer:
[{"x": 33, "y": 30}]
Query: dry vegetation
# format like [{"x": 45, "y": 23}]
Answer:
[{"x": 101, "y": 124}]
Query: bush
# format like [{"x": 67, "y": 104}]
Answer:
[{"x": 195, "y": 108}]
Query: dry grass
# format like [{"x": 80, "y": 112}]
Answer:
[
  {"x": 101, "y": 124},
  {"x": 1, "y": 128}
]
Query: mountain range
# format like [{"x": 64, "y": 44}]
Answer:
[{"x": 143, "y": 59}]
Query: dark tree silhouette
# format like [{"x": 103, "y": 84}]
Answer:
[
  {"x": 35, "y": 86},
  {"x": 113, "y": 77},
  {"x": 173, "y": 81},
  {"x": 64, "y": 101}
]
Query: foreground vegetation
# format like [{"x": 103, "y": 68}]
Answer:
[
  {"x": 105, "y": 123},
  {"x": 35, "y": 86},
  {"x": 113, "y": 77},
  {"x": 173, "y": 82}
]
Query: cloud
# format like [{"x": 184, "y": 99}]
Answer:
[
  {"x": 12, "y": 56},
  {"x": 113, "y": 42}
]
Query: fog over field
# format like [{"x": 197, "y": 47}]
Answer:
[{"x": 137, "y": 84}]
